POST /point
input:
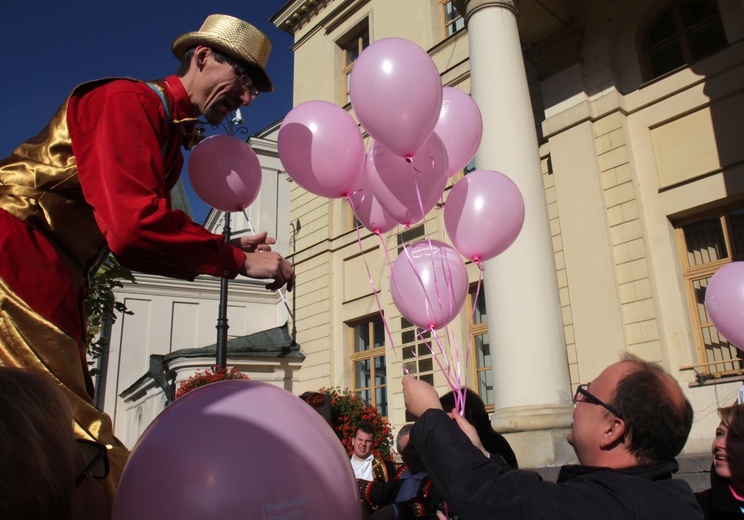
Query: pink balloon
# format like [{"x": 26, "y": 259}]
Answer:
[
  {"x": 460, "y": 126},
  {"x": 225, "y": 173},
  {"x": 724, "y": 301},
  {"x": 238, "y": 449},
  {"x": 368, "y": 210},
  {"x": 408, "y": 188},
  {"x": 483, "y": 214},
  {"x": 321, "y": 148},
  {"x": 429, "y": 284},
  {"x": 396, "y": 93}
]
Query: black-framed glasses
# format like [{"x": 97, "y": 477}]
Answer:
[
  {"x": 582, "y": 394},
  {"x": 244, "y": 78},
  {"x": 96, "y": 460}
]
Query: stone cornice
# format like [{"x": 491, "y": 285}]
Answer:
[{"x": 296, "y": 14}]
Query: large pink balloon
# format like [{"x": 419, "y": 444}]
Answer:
[
  {"x": 396, "y": 93},
  {"x": 483, "y": 214},
  {"x": 408, "y": 188},
  {"x": 321, "y": 148},
  {"x": 225, "y": 173},
  {"x": 724, "y": 301},
  {"x": 429, "y": 284},
  {"x": 368, "y": 210},
  {"x": 238, "y": 449},
  {"x": 460, "y": 126}
]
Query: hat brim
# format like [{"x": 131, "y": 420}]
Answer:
[{"x": 258, "y": 74}]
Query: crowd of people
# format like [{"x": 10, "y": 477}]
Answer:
[{"x": 98, "y": 178}]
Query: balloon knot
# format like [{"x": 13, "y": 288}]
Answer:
[{"x": 478, "y": 263}]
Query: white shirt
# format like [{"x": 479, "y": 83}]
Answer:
[{"x": 363, "y": 468}]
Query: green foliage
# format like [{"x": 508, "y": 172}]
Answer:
[{"x": 101, "y": 305}]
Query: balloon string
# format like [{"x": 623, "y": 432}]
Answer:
[
  {"x": 372, "y": 283},
  {"x": 278, "y": 291},
  {"x": 439, "y": 356}
]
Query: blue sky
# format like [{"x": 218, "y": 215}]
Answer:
[{"x": 51, "y": 46}]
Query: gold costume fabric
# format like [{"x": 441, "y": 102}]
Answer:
[
  {"x": 40, "y": 196},
  {"x": 99, "y": 175},
  {"x": 29, "y": 341}
]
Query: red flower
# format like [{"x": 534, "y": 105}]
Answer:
[
  {"x": 208, "y": 376},
  {"x": 348, "y": 410}
]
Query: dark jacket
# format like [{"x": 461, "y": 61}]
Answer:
[
  {"x": 481, "y": 489},
  {"x": 380, "y": 494},
  {"x": 717, "y": 502}
]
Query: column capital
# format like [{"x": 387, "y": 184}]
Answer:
[{"x": 468, "y": 7}]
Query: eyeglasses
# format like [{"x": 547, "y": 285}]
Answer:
[
  {"x": 582, "y": 394},
  {"x": 96, "y": 460},
  {"x": 244, "y": 78}
]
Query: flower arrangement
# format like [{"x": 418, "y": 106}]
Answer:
[
  {"x": 348, "y": 410},
  {"x": 211, "y": 375}
]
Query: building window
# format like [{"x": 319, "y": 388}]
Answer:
[
  {"x": 352, "y": 46},
  {"x": 481, "y": 348},
  {"x": 685, "y": 31},
  {"x": 409, "y": 236},
  {"x": 451, "y": 19},
  {"x": 368, "y": 361},
  {"x": 706, "y": 244},
  {"x": 416, "y": 353}
]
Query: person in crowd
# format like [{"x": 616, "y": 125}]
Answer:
[
  {"x": 98, "y": 179},
  {"x": 475, "y": 413},
  {"x": 367, "y": 465},
  {"x": 43, "y": 471},
  {"x": 321, "y": 403},
  {"x": 629, "y": 424},
  {"x": 725, "y": 498},
  {"x": 409, "y": 493}
]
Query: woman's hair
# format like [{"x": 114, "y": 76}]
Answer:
[
  {"x": 733, "y": 418},
  {"x": 37, "y": 450},
  {"x": 475, "y": 409}
]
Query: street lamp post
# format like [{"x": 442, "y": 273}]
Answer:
[{"x": 232, "y": 126}]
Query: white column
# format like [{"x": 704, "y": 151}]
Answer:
[{"x": 531, "y": 381}]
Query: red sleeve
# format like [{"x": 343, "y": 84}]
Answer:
[{"x": 117, "y": 133}]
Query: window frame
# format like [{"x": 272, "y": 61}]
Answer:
[
  {"x": 692, "y": 275},
  {"x": 369, "y": 354},
  {"x": 416, "y": 357},
  {"x": 680, "y": 35},
  {"x": 453, "y": 22},
  {"x": 478, "y": 329},
  {"x": 358, "y": 38}
]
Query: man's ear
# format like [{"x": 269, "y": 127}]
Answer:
[
  {"x": 200, "y": 56},
  {"x": 613, "y": 433}
]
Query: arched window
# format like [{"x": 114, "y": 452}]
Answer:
[{"x": 685, "y": 31}]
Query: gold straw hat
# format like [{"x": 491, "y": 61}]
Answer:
[{"x": 235, "y": 38}]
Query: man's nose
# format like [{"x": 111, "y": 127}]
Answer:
[{"x": 246, "y": 98}]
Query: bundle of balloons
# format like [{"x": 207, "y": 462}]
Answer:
[{"x": 421, "y": 135}]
